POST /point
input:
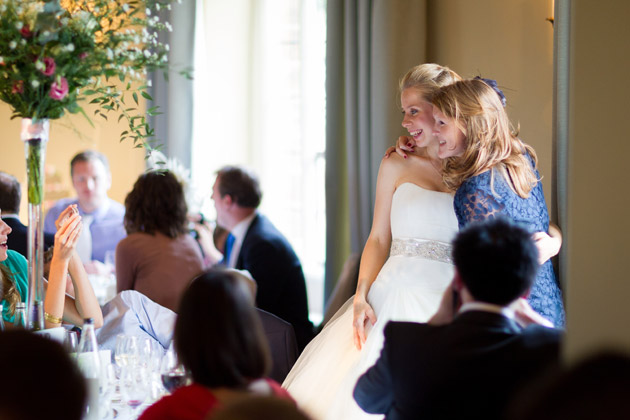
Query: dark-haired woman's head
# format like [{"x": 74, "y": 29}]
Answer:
[
  {"x": 218, "y": 335},
  {"x": 156, "y": 204}
]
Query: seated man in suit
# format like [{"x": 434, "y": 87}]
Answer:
[
  {"x": 472, "y": 366},
  {"x": 102, "y": 217},
  {"x": 255, "y": 245},
  {"x": 10, "y": 196}
]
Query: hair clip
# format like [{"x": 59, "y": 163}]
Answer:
[{"x": 493, "y": 84}]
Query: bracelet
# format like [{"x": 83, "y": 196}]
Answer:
[{"x": 52, "y": 319}]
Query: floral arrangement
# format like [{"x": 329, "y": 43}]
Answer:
[{"x": 56, "y": 53}]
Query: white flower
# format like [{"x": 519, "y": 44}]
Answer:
[
  {"x": 12, "y": 45},
  {"x": 22, "y": 41},
  {"x": 97, "y": 9},
  {"x": 35, "y": 83},
  {"x": 1, "y": 59},
  {"x": 168, "y": 7},
  {"x": 157, "y": 7},
  {"x": 167, "y": 47},
  {"x": 149, "y": 82},
  {"x": 39, "y": 65},
  {"x": 46, "y": 34},
  {"x": 110, "y": 54},
  {"x": 3, "y": 8},
  {"x": 147, "y": 53},
  {"x": 168, "y": 26},
  {"x": 19, "y": 25},
  {"x": 70, "y": 47},
  {"x": 64, "y": 21},
  {"x": 148, "y": 12},
  {"x": 125, "y": 8}
]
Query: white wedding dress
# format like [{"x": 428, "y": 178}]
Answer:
[{"x": 409, "y": 287}]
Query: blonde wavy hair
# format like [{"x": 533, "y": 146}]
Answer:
[
  {"x": 9, "y": 290},
  {"x": 491, "y": 141},
  {"x": 428, "y": 78}
]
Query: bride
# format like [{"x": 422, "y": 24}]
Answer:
[{"x": 413, "y": 223}]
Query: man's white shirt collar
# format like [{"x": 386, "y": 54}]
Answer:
[
  {"x": 238, "y": 232},
  {"x": 487, "y": 307}
]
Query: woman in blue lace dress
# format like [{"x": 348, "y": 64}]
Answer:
[{"x": 493, "y": 172}]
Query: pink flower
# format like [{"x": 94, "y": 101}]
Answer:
[
  {"x": 26, "y": 32},
  {"x": 58, "y": 91},
  {"x": 49, "y": 62},
  {"x": 83, "y": 55},
  {"x": 18, "y": 87}
]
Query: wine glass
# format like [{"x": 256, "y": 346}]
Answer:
[
  {"x": 172, "y": 372},
  {"x": 127, "y": 351},
  {"x": 70, "y": 342},
  {"x": 134, "y": 386}
]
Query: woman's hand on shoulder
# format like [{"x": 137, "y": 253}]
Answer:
[
  {"x": 404, "y": 145},
  {"x": 363, "y": 313}
]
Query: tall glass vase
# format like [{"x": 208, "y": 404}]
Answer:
[{"x": 35, "y": 136}]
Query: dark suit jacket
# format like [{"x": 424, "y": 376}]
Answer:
[
  {"x": 282, "y": 343},
  {"x": 18, "y": 238},
  {"x": 270, "y": 259},
  {"x": 468, "y": 369}
]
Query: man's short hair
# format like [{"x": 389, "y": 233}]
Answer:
[
  {"x": 240, "y": 184},
  {"x": 10, "y": 193},
  {"x": 87, "y": 156},
  {"x": 497, "y": 260}
]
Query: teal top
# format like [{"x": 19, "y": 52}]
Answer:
[{"x": 17, "y": 265}]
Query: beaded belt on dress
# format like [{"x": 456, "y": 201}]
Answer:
[{"x": 430, "y": 250}]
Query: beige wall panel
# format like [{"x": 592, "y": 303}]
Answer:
[
  {"x": 598, "y": 199},
  {"x": 509, "y": 41}
]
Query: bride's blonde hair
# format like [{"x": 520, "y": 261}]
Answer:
[
  {"x": 428, "y": 78},
  {"x": 491, "y": 141}
]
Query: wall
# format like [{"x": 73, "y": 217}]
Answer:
[
  {"x": 511, "y": 42},
  {"x": 70, "y": 135},
  {"x": 598, "y": 230}
]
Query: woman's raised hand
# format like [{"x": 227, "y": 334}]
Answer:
[
  {"x": 67, "y": 235},
  {"x": 403, "y": 144},
  {"x": 363, "y": 313},
  {"x": 65, "y": 214}
]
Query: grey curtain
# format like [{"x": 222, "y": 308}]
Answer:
[
  {"x": 173, "y": 128},
  {"x": 370, "y": 45},
  {"x": 560, "y": 149}
]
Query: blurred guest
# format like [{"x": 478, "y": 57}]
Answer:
[
  {"x": 10, "y": 196},
  {"x": 220, "y": 341},
  {"x": 596, "y": 387},
  {"x": 158, "y": 257},
  {"x": 254, "y": 408},
  {"x": 473, "y": 356},
  {"x": 40, "y": 379},
  {"x": 102, "y": 216},
  {"x": 255, "y": 245}
]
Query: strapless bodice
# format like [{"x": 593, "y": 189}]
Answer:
[{"x": 421, "y": 214}]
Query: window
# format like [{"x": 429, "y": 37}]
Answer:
[{"x": 260, "y": 102}]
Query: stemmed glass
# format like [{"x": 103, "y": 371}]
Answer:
[
  {"x": 127, "y": 351},
  {"x": 172, "y": 372},
  {"x": 134, "y": 386}
]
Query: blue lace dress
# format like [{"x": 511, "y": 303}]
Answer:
[{"x": 475, "y": 201}]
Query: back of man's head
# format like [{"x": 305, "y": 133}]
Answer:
[
  {"x": 89, "y": 155},
  {"x": 241, "y": 184},
  {"x": 10, "y": 193},
  {"x": 496, "y": 260}
]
